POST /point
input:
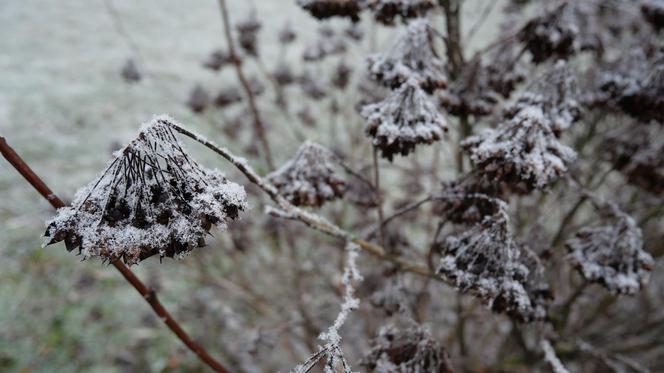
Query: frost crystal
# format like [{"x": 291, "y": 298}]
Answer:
[
  {"x": 613, "y": 254},
  {"x": 309, "y": 178},
  {"x": 404, "y": 119},
  {"x": 322, "y": 9},
  {"x": 386, "y": 11},
  {"x": 412, "y": 56},
  {"x": 524, "y": 151},
  {"x": 485, "y": 261},
  {"x": 406, "y": 350},
  {"x": 152, "y": 199}
]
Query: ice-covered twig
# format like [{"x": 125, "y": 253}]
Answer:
[{"x": 551, "y": 358}]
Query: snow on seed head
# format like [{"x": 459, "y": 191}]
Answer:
[
  {"x": 612, "y": 254},
  {"x": 404, "y": 119},
  {"x": 412, "y": 56},
  {"x": 153, "y": 199},
  {"x": 309, "y": 178},
  {"x": 550, "y": 35}
]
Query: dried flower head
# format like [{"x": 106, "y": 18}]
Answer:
[
  {"x": 287, "y": 34},
  {"x": 406, "y": 350},
  {"x": 645, "y": 99},
  {"x": 485, "y": 261},
  {"x": 218, "y": 59},
  {"x": 469, "y": 200},
  {"x": 312, "y": 86},
  {"x": 613, "y": 254},
  {"x": 354, "y": 32},
  {"x": 653, "y": 12},
  {"x": 341, "y": 76},
  {"x": 309, "y": 178},
  {"x": 470, "y": 93},
  {"x": 505, "y": 72},
  {"x": 387, "y": 11},
  {"x": 227, "y": 97},
  {"x": 411, "y": 57},
  {"x": 248, "y": 29},
  {"x": 550, "y": 35},
  {"x": 323, "y": 9},
  {"x": 283, "y": 75},
  {"x": 130, "y": 72},
  {"x": 404, "y": 119},
  {"x": 199, "y": 99},
  {"x": 152, "y": 199},
  {"x": 323, "y": 47}
]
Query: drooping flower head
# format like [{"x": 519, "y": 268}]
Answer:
[
  {"x": 323, "y": 9},
  {"x": 613, "y": 254},
  {"x": 309, "y": 178},
  {"x": 387, "y": 11},
  {"x": 404, "y": 119},
  {"x": 484, "y": 260},
  {"x": 550, "y": 35},
  {"x": 406, "y": 350},
  {"x": 411, "y": 57},
  {"x": 153, "y": 199}
]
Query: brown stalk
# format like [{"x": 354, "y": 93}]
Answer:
[
  {"x": 259, "y": 127},
  {"x": 148, "y": 294}
]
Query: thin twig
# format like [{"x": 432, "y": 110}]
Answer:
[
  {"x": 379, "y": 197},
  {"x": 259, "y": 126},
  {"x": 148, "y": 294}
]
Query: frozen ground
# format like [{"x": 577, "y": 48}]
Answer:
[{"x": 64, "y": 107}]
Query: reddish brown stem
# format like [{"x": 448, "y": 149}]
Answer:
[
  {"x": 259, "y": 127},
  {"x": 149, "y": 295}
]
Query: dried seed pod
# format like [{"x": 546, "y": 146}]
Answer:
[
  {"x": 550, "y": 35},
  {"x": 470, "y": 93},
  {"x": 130, "y": 72},
  {"x": 639, "y": 158},
  {"x": 324, "y": 9},
  {"x": 341, "y": 75},
  {"x": 313, "y": 87},
  {"x": 248, "y": 29},
  {"x": 305, "y": 116},
  {"x": 153, "y": 199},
  {"x": 227, "y": 97},
  {"x": 404, "y": 119},
  {"x": 653, "y": 12},
  {"x": 322, "y": 48},
  {"x": 484, "y": 261},
  {"x": 406, "y": 350},
  {"x": 287, "y": 34},
  {"x": 645, "y": 100},
  {"x": 613, "y": 254},
  {"x": 199, "y": 99},
  {"x": 469, "y": 200},
  {"x": 412, "y": 56},
  {"x": 387, "y": 11},
  {"x": 283, "y": 75},
  {"x": 218, "y": 59},
  {"x": 309, "y": 178},
  {"x": 505, "y": 72}
]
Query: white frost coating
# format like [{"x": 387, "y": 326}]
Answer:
[
  {"x": 309, "y": 178},
  {"x": 151, "y": 199},
  {"x": 551, "y": 358},
  {"x": 484, "y": 260},
  {"x": 612, "y": 255},
  {"x": 332, "y": 349},
  {"x": 412, "y": 56},
  {"x": 405, "y": 118}
]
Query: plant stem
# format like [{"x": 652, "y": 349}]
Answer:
[
  {"x": 379, "y": 197},
  {"x": 148, "y": 294},
  {"x": 259, "y": 127}
]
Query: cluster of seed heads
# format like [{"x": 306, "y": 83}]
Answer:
[
  {"x": 323, "y": 9},
  {"x": 153, "y": 199},
  {"x": 388, "y": 11}
]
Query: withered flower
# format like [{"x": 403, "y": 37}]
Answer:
[
  {"x": 312, "y": 87},
  {"x": 341, "y": 75},
  {"x": 323, "y": 9},
  {"x": 653, "y": 12},
  {"x": 407, "y": 350},
  {"x": 248, "y": 34},
  {"x": 387, "y": 11},
  {"x": 412, "y": 56},
  {"x": 130, "y": 72},
  {"x": 218, "y": 59},
  {"x": 283, "y": 75},
  {"x": 612, "y": 254},
  {"x": 322, "y": 48},
  {"x": 287, "y": 34},
  {"x": 152, "y": 199},
  {"x": 199, "y": 99},
  {"x": 404, "y": 119},
  {"x": 550, "y": 35},
  {"x": 470, "y": 93},
  {"x": 309, "y": 178},
  {"x": 484, "y": 261},
  {"x": 469, "y": 200},
  {"x": 228, "y": 96},
  {"x": 354, "y": 31}
]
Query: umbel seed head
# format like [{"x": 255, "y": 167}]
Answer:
[
  {"x": 404, "y": 119},
  {"x": 153, "y": 199}
]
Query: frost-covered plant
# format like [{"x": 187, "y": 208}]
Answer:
[
  {"x": 471, "y": 93},
  {"x": 524, "y": 151},
  {"x": 484, "y": 260},
  {"x": 322, "y": 9},
  {"x": 309, "y": 178},
  {"x": 404, "y": 119},
  {"x": 653, "y": 12},
  {"x": 612, "y": 254},
  {"x": 411, "y": 57},
  {"x": 469, "y": 200},
  {"x": 550, "y": 35},
  {"x": 406, "y": 350},
  {"x": 331, "y": 351},
  {"x": 153, "y": 199},
  {"x": 387, "y": 11}
]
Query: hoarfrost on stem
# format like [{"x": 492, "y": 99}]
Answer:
[{"x": 152, "y": 199}]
